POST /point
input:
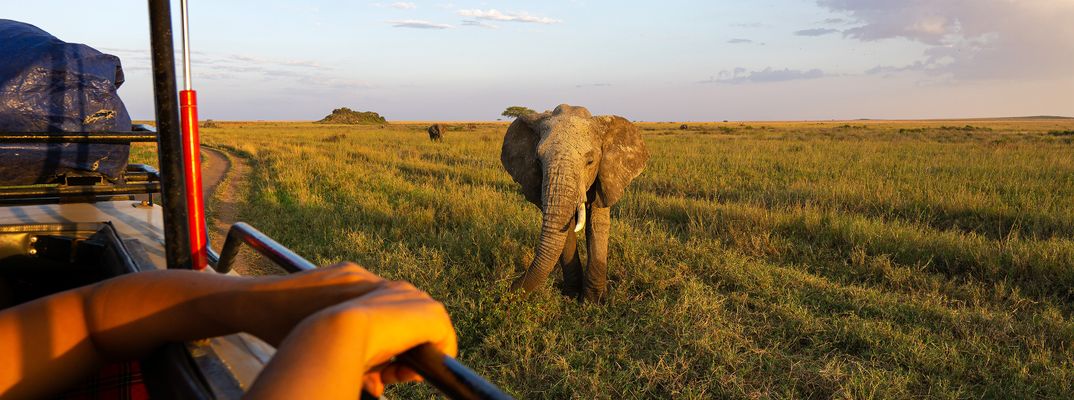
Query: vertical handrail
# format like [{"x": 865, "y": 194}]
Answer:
[
  {"x": 188, "y": 110},
  {"x": 184, "y": 21},
  {"x": 169, "y": 140},
  {"x": 444, "y": 372}
]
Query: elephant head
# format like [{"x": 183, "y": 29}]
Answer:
[{"x": 564, "y": 160}]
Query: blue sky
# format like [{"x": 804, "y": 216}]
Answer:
[{"x": 656, "y": 61}]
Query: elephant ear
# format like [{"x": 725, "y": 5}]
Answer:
[
  {"x": 519, "y": 157},
  {"x": 623, "y": 157}
]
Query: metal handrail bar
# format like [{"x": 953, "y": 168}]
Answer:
[
  {"x": 30, "y": 192},
  {"x": 78, "y": 137},
  {"x": 141, "y": 173}
]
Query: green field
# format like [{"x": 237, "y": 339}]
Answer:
[{"x": 862, "y": 259}]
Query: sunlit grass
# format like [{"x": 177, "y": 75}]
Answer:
[{"x": 852, "y": 260}]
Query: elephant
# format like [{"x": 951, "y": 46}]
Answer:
[
  {"x": 436, "y": 132},
  {"x": 684, "y": 127},
  {"x": 574, "y": 166}
]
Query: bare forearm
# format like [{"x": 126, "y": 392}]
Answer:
[
  {"x": 168, "y": 306},
  {"x": 54, "y": 341},
  {"x": 49, "y": 343},
  {"x": 132, "y": 315},
  {"x": 41, "y": 349}
]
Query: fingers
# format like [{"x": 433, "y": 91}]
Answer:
[
  {"x": 373, "y": 384},
  {"x": 397, "y": 373}
]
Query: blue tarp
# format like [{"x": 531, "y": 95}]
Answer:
[{"x": 48, "y": 85}]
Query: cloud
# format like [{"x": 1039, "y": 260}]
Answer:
[
  {"x": 261, "y": 61},
  {"x": 479, "y": 24},
  {"x": 402, "y": 5},
  {"x": 834, "y": 21},
  {"x": 815, "y": 32},
  {"x": 741, "y": 75},
  {"x": 739, "y": 41},
  {"x": 418, "y": 24},
  {"x": 496, "y": 15},
  {"x": 231, "y": 68},
  {"x": 971, "y": 39}
]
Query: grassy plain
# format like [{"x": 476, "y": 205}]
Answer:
[{"x": 862, "y": 259}]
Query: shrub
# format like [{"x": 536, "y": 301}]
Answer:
[{"x": 344, "y": 115}]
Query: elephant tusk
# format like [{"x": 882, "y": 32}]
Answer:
[{"x": 581, "y": 218}]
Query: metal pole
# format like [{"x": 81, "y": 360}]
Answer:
[
  {"x": 188, "y": 112},
  {"x": 183, "y": 17},
  {"x": 169, "y": 142}
]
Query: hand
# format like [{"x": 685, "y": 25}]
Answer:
[
  {"x": 324, "y": 355},
  {"x": 399, "y": 317}
]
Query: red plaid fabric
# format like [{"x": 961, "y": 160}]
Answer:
[{"x": 121, "y": 381}]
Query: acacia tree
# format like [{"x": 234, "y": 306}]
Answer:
[{"x": 517, "y": 111}]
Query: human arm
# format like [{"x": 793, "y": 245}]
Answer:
[{"x": 53, "y": 342}]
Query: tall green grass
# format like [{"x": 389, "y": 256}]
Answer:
[{"x": 817, "y": 260}]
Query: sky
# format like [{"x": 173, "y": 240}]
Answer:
[{"x": 672, "y": 60}]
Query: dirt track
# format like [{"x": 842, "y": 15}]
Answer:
[
  {"x": 214, "y": 169},
  {"x": 223, "y": 182}
]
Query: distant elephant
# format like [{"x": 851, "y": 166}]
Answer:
[
  {"x": 436, "y": 133},
  {"x": 684, "y": 127},
  {"x": 574, "y": 166}
]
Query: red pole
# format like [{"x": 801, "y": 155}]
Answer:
[{"x": 188, "y": 111}]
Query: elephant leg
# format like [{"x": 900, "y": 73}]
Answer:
[
  {"x": 572, "y": 266},
  {"x": 596, "y": 273}
]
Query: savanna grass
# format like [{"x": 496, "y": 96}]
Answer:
[{"x": 788, "y": 260}]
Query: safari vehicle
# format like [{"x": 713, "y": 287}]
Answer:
[{"x": 75, "y": 229}]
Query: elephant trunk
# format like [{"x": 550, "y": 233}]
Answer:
[{"x": 560, "y": 199}]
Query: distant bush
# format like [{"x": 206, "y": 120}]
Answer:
[
  {"x": 209, "y": 124},
  {"x": 967, "y": 128},
  {"x": 345, "y": 115},
  {"x": 461, "y": 128},
  {"x": 1062, "y": 133},
  {"x": 516, "y": 111}
]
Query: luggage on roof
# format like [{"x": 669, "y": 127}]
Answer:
[{"x": 48, "y": 85}]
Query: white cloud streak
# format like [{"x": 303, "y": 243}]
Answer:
[
  {"x": 742, "y": 75},
  {"x": 496, "y": 15},
  {"x": 418, "y": 24},
  {"x": 479, "y": 24},
  {"x": 402, "y": 5},
  {"x": 816, "y": 32}
]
